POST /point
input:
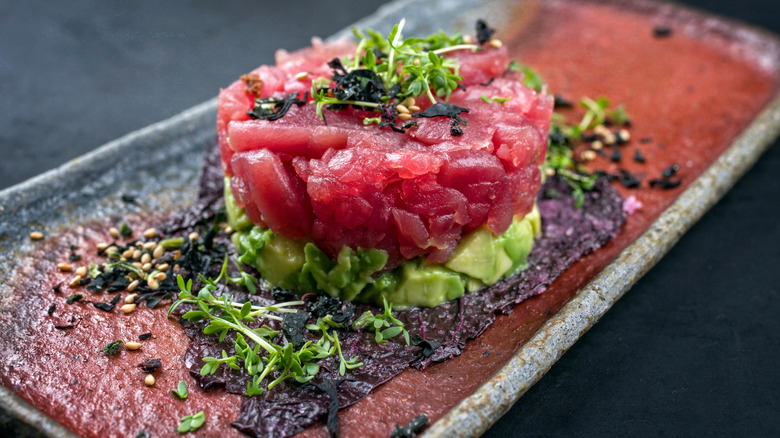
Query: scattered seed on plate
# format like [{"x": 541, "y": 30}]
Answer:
[
  {"x": 101, "y": 246},
  {"x": 496, "y": 43},
  {"x": 128, "y": 308},
  {"x": 150, "y": 245},
  {"x": 132, "y": 345},
  {"x": 82, "y": 270},
  {"x": 301, "y": 75},
  {"x": 146, "y": 258},
  {"x": 150, "y": 232},
  {"x": 159, "y": 251},
  {"x": 153, "y": 284},
  {"x": 160, "y": 276},
  {"x": 75, "y": 281},
  {"x": 404, "y": 116},
  {"x": 162, "y": 267},
  {"x": 114, "y": 232},
  {"x": 414, "y": 108},
  {"x": 65, "y": 267},
  {"x": 136, "y": 254},
  {"x": 36, "y": 235},
  {"x": 149, "y": 380},
  {"x": 193, "y": 236},
  {"x": 130, "y": 299},
  {"x": 402, "y": 109}
]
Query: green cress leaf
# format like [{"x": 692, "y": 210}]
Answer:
[
  {"x": 112, "y": 348},
  {"x": 181, "y": 390},
  {"x": 191, "y": 423}
]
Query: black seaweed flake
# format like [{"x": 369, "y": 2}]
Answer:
[
  {"x": 662, "y": 31},
  {"x": 443, "y": 109},
  {"x": 665, "y": 183},
  {"x": 325, "y": 305},
  {"x": 670, "y": 171},
  {"x": 412, "y": 429},
  {"x": 562, "y": 102},
  {"x": 73, "y": 257},
  {"x": 455, "y": 129},
  {"x": 108, "y": 306},
  {"x": 628, "y": 179},
  {"x": 274, "y": 108},
  {"x": 484, "y": 32},
  {"x": 144, "y": 336},
  {"x": 638, "y": 157},
  {"x": 149, "y": 366},
  {"x": 329, "y": 387},
  {"x": 57, "y": 288},
  {"x": 616, "y": 155},
  {"x": 64, "y": 327},
  {"x": 292, "y": 326},
  {"x": 129, "y": 198},
  {"x": 429, "y": 346},
  {"x": 282, "y": 295},
  {"x": 51, "y": 310},
  {"x": 488, "y": 82}
]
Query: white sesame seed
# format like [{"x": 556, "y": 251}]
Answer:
[
  {"x": 624, "y": 135},
  {"x": 414, "y": 108},
  {"x": 136, "y": 254},
  {"x": 36, "y": 235},
  {"x": 162, "y": 267},
  {"x": 549, "y": 171},
  {"x": 150, "y": 245},
  {"x": 113, "y": 232},
  {"x": 468, "y": 39},
  {"x": 146, "y": 258},
  {"x": 130, "y": 299},
  {"x": 496, "y": 44},
  {"x": 82, "y": 270},
  {"x": 228, "y": 230},
  {"x": 160, "y": 276},
  {"x": 402, "y": 109},
  {"x": 596, "y": 145},
  {"x": 158, "y": 252},
  {"x": 146, "y": 266},
  {"x": 149, "y": 380},
  {"x": 404, "y": 116},
  {"x": 101, "y": 246},
  {"x": 153, "y": 284},
  {"x": 65, "y": 267},
  {"x": 408, "y": 102},
  {"x": 301, "y": 75},
  {"x": 128, "y": 254},
  {"x": 150, "y": 232},
  {"x": 132, "y": 345}
]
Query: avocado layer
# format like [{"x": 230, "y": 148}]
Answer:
[{"x": 480, "y": 259}]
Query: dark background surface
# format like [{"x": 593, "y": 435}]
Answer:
[{"x": 692, "y": 349}]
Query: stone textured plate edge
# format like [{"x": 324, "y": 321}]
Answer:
[{"x": 476, "y": 413}]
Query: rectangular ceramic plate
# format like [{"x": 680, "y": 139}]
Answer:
[{"x": 706, "y": 94}]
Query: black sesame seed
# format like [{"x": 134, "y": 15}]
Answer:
[
  {"x": 638, "y": 157},
  {"x": 662, "y": 31}
]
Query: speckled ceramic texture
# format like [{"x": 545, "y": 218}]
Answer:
[{"x": 90, "y": 188}]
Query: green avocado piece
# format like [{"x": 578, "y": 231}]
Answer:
[
  {"x": 298, "y": 265},
  {"x": 236, "y": 216},
  {"x": 425, "y": 285}
]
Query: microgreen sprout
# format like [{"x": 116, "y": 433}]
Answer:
[{"x": 384, "y": 325}]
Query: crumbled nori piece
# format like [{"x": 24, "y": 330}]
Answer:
[
  {"x": 616, "y": 155},
  {"x": 149, "y": 366},
  {"x": 670, "y": 171},
  {"x": 443, "y": 109},
  {"x": 487, "y": 82},
  {"x": 145, "y": 336},
  {"x": 329, "y": 387},
  {"x": 274, "y": 108},
  {"x": 283, "y": 295},
  {"x": 292, "y": 326},
  {"x": 64, "y": 327},
  {"x": 484, "y": 32},
  {"x": 51, "y": 310},
  {"x": 561, "y": 102},
  {"x": 57, "y": 288},
  {"x": 645, "y": 140},
  {"x": 638, "y": 157},
  {"x": 129, "y": 198},
  {"x": 429, "y": 346},
  {"x": 412, "y": 429},
  {"x": 665, "y": 183},
  {"x": 662, "y": 31},
  {"x": 455, "y": 129},
  {"x": 152, "y": 299},
  {"x": 108, "y": 306},
  {"x": 628, "y": 179},
  {"x": 344, "y": 314},
  {"x": 143, "y": 434},
  {"x": 325, "y": 305},
  {"x": 73, "y": 257}
]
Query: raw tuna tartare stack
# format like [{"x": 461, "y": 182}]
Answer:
[{"x": 348, "y": 177}]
